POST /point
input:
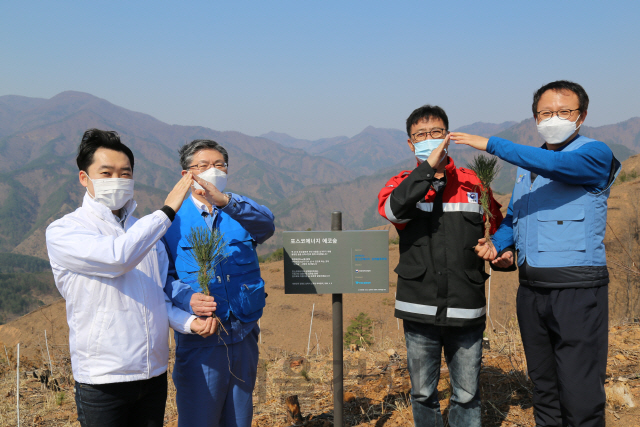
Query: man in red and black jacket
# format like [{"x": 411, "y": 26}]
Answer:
[{"x": 440, "y": 297}]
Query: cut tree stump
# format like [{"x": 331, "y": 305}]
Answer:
[{"x": 294, "y": 416}]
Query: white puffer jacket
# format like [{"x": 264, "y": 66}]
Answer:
[{"x": 112, "y": 282}]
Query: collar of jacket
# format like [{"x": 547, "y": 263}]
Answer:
[
  {"x": 201, "y": 206},
  {"x": 544, "y": 146},
  {"x": 104, "y": 213}
]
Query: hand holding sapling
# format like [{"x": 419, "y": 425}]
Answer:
[
  {"x": 207, "y": 248},
  {"x": 486, "y": 168}
]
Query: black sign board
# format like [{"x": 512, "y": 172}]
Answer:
[{"x": 336, "y": 262}]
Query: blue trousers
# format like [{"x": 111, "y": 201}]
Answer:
[
  {"x": 215, "y": 388},
  {"x": 463, "y": 353}
]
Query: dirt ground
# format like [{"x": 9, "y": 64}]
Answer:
[{"x": 376, "y": 384}]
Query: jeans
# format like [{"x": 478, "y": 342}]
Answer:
[
  {"x": 134, "y": 403},
  {"x": 463, "y": 353}
]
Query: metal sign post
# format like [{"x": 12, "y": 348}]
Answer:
[
  {"x": 338, "y": 363},
  {"x": 336, "y": 262}
]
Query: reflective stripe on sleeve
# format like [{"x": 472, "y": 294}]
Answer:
[
  {"x": 451, "y": 207},
  {"x": 424, "y": 206},
  {"x": 429, "y": 310},
  {"x": 390, "y": 216}
]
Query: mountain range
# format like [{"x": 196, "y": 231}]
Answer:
[{"x": 302, "y": 181}]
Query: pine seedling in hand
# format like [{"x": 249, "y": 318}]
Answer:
[
  {"x": 486, "y": 168},
  {"x": 207, "y": 248}
]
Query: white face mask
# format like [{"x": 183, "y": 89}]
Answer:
[
  {"x": 556, "y": 130},
  {"x": 114, "y": 193},
  {"x": 214, "y": 176}
]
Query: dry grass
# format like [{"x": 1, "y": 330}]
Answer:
[{"x": 377, "y": 386}]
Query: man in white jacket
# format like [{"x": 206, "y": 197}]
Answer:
[{"x": 111, "y": 268}]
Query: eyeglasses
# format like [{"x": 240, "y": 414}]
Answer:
[
  {"x": 204, "y": 166},
  {"x": 562, "y": 114},
  {"x": 436, "y": 133}
]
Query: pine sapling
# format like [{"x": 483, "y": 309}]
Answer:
[
  {"x": 360, "y": 331},
  {"x": 486, "y": 168},
  {"x": 207, "y": 248}
]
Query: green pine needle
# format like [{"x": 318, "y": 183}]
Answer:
[
  {"x": 486, "y": 168},
  {"x": 207, "y": 248}
]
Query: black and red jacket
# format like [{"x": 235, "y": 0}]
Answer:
[{"x": 440, "y": 277}]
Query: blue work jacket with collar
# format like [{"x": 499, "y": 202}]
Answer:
[
  {"x": 557, "y": 217},
  {"x": 237, "y": 286}
]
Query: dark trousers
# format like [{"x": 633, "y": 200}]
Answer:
[
  {"x": 134, "y": 403},
  {"x": 565, "y": 338}
]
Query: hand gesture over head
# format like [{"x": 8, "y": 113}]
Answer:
[
  {"x": 210, "y": 192},
  {"x": 475, "y": 141},
  {"x": 179, "y": 192},
  {"x": 439, "y": 153}
]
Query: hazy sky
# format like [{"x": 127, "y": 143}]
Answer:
[{"x": 325, "y": 68}]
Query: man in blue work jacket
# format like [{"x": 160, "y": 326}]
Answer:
[
  {"x": 556, "y": 219},
  {"x": 215, "y": 376}
]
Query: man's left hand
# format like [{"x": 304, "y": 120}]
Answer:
[
  {"x": 475, "y": 141},
  {"x": 202, "y": 305},
  {"x": 485, "y": 250},
  {"x": 211, "y": 193}
]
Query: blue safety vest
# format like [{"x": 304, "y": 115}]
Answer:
[
  {"x": 557, "y": 224},
  {"x": 237, "y": 286}
]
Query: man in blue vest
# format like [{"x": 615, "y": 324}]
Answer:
[
  {"x": 556, "y": 220},
  {"x": 215, "y": 376}
]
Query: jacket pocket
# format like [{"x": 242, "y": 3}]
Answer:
[
  {"x": 477, "y": 276},
  {"x": 410, "y": 271},
  {"x": 241, "y": 256},
  {"x": 474, "y": 218},
  {"x": 473, "y": 228},
  {"x": 97, "y": 328},
  {"x": 471, "y": 293},
  {"x": 411, "y": 265},
  {"x": 562, "y": 229},
  {"x": 190, "y": 263},
  {"x": 252, "y": 297}
]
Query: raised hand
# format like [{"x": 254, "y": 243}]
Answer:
[
  {"x": 439, "y": 153},
  {"x": 475, "y": 141},
  {"x": 178, "y": 194},
  {"x": 211, "y": 193}
]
